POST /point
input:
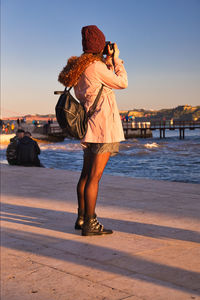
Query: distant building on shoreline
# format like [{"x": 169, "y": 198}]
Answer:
[
  {"x": 179, "y": 113},
  {"x": 31, "y": 118}
]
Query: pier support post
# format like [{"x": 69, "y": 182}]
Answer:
[
  {"x": 162, "y": 133},
  {"x": 181, "y": 133},
  {"x": 143, "y": 132}
]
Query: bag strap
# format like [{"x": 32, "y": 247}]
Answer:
[
  {"x": 94, "y": 105},
  {"x": 62, "y": 92},
  {"x": 69, "y": 89}
]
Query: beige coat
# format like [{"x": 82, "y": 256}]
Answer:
[{"x": 105, "y": 125}]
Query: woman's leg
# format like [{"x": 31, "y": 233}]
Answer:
[
  {"x": 80, "y": 192},
  {"x": 97, "y": 165},
  {"x": 82, "y": 181}
]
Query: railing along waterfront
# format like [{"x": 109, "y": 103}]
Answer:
[
  {"x": 162, "y": 126},
  {"x": 144, "y": 129}
]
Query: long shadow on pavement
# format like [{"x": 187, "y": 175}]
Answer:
[
  {"x": 100, "y": 258},
  {"x": 46, "y": 218}
]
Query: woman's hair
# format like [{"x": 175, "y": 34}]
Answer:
[
  {"x": 75, "y": 67},
  {"x": 93, "y": 41}
]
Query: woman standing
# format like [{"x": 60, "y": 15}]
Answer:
[{"x": 87, "y": 74}]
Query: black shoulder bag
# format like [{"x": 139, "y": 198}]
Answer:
[{"x": 71, "y": 114}]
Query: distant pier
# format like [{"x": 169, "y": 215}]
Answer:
[
  {"x": 132, "y": 129},
  {"x": 52, "y": 133},
  {"x": 137, "y": 129},
  {"x": 144, "y": 129}
]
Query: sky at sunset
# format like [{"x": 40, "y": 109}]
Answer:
[{"x": 159, "y": 42}]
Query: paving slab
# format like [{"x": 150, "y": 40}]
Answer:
[{"x": 153, "y": 253}]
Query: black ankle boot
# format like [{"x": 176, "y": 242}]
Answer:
[
  {"x": 80, "y": 220},
  {"x": 92, "y": 226}
]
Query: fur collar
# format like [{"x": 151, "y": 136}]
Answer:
[{"x": 76, "y": 65}]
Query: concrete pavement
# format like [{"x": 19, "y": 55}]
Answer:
[{"x": 154, "y": 253}]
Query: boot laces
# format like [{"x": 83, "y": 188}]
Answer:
[{"x": 97, "y": 225}]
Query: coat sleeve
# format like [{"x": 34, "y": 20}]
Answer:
[{"x": 117, "y": 79}]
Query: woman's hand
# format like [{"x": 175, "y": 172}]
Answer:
[
  {"x": 110, "y": 52},
  {"x": 116, "y": 51}
]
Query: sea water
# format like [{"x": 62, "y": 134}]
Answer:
[{"x": 154, "y": 158}]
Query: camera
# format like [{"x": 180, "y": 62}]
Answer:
[{"x": 108, "y": 44}]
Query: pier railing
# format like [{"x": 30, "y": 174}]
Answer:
[
  {"x": 144, "y": 128},
  {"x": 162, "y": 126},
  {"x": 175, "y": 124}
]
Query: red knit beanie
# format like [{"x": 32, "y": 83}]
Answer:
[{"x": 93, "y": 39}]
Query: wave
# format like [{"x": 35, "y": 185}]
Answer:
[
  {"x": 63, "y": 147},
  {"x": 5, "y": 138},
  {"x": 151, "y": 145},
  {"x": 4, "y": 161},
  {"x": 3, "y": 146}
]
